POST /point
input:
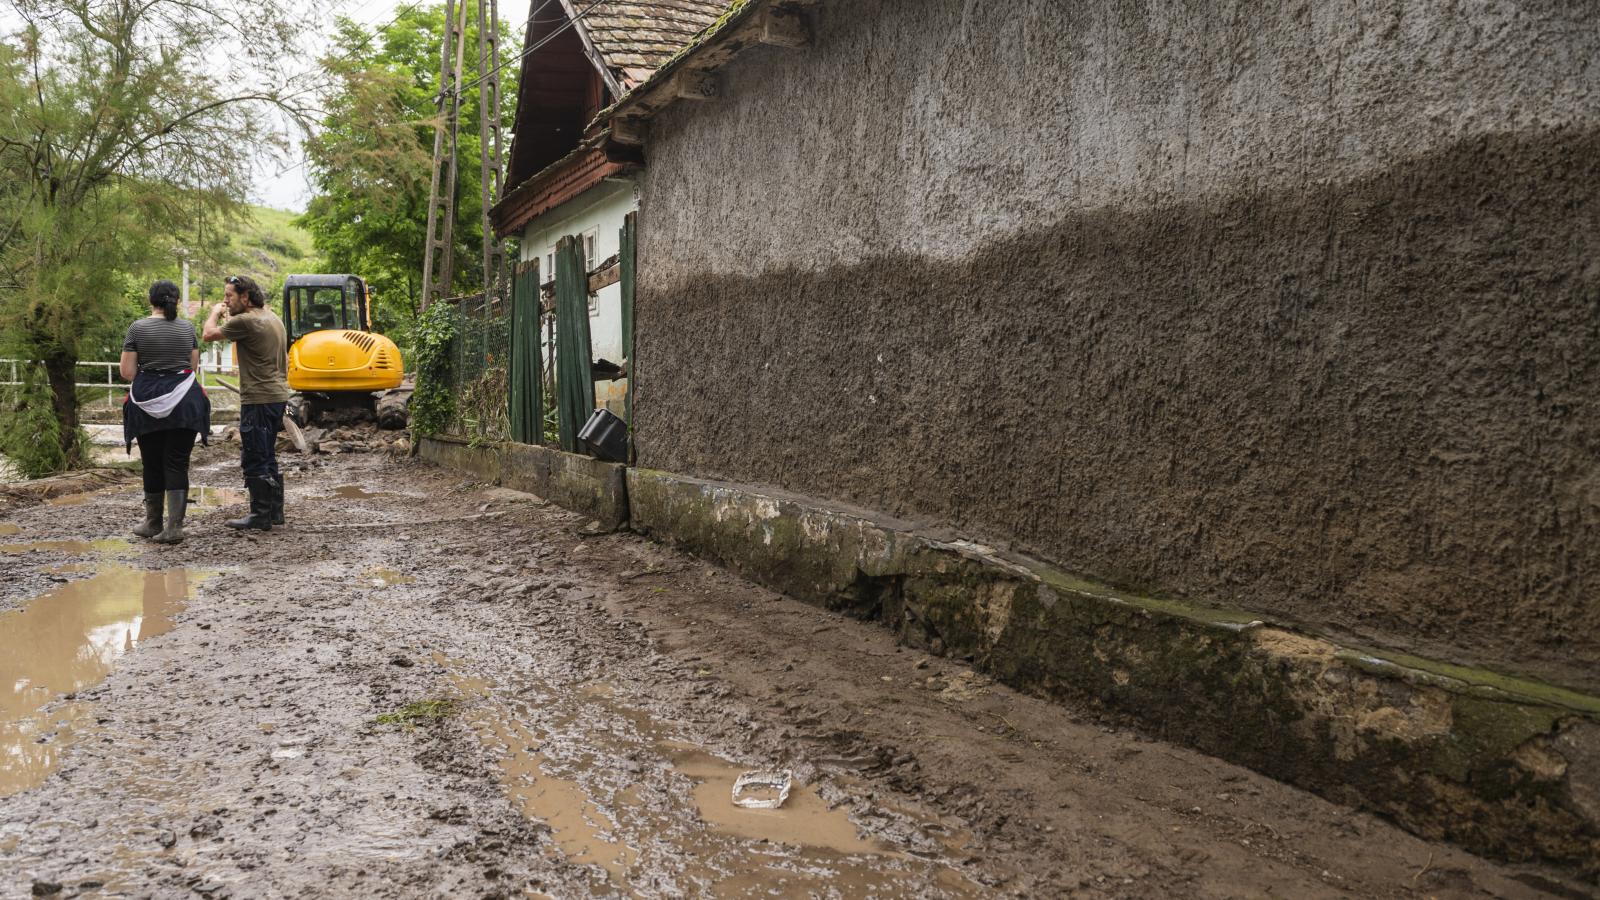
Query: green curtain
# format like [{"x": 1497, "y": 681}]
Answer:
[
  {"x": 574, "y": 353},
  {"x": 527, "y": 400}
]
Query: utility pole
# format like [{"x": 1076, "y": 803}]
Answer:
[
  {"x": 489, "y": 157},
  {"x": 438, "y": 260}
]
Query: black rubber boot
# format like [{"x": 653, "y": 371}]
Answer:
[
  {"x": 151, "y": 526},
  {"x": 277, "y": 500},
  {"x": 177, "y": 505},
  {"x": 260, "y": 517}
]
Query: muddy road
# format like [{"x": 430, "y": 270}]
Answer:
[{"x": 426, "y": 686}]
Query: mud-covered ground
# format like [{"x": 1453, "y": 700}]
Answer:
[{"x": 425, "y": 686}]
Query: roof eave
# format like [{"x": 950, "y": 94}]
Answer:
[
  {"x": 501, "y": 212},
  {"x": 690, "y": 73}
]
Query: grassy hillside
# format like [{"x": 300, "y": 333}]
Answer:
[{"x": 266, "y": 246}]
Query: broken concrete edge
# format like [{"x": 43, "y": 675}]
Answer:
[
  {"x": 579, "y": 483},
  {"x": 1507, "y": 767}
]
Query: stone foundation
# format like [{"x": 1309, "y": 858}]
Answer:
[
  {"x": 1506, "y": 767},
  {"x": 579, "y": 483}
]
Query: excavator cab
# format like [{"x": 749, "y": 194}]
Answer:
[
  {"x": 335, "y": 359},
  {"x": 324, "y": 303}
]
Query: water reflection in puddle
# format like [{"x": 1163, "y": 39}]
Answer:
[
  {"x": 64, "y": 641},
  {"x": 657, "y": 815},
  {"x": 215, "y": 496},
  {"x": 200, "y": 495}
]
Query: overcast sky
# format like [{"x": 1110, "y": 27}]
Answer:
[{"x": 284, "y": 185}]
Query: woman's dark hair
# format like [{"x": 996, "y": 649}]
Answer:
[
  {"x": 165, "y": 295},
  {"x": 244, "y": 284}
]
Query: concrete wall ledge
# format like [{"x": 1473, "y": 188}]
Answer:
[
  {"x": 1506, "y": 767},
  {"x": 579, "y": 483}
]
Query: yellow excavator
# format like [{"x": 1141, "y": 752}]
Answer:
[{"x": 336, "y": 360}]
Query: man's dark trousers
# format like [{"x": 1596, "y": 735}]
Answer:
[{"x": 259, "y": 424}]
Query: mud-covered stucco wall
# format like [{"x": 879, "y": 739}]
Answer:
[{"x": 1291, "y": 307}]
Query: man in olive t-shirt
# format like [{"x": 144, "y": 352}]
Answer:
[{"x": 260, "y": 346}]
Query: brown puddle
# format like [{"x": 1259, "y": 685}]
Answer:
[
  {"x": 357, "y": 492},
  {"x": 804, "y": 820},
  {"x": 9, "y": 528},
  {"x": 109, "y": 546},
  {"x": 657, "y": 815},
  {"x": 67, "y": 640},
  {"x": 382, "y": 577},
  {"x": 71, "y": 499}
]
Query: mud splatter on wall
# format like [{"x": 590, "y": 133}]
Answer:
[{"x": 1295, "y": 309}]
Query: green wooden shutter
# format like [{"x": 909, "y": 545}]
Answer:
[
  {"x": 527, "y": 400},
  {"x": 574, "y": 353}
]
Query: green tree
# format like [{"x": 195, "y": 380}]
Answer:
[
  {"x": 115, "y": 146},
  {"x": 371, "y": 161}
]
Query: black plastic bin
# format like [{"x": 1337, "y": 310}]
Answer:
[{"x": 606, "y": 436}]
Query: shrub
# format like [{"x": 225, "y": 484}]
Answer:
[
  {"x": 29, "y": 433},
  {"x": 433, "y": 403}
]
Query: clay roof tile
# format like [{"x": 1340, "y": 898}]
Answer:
[{"x": 634, "y": 35}]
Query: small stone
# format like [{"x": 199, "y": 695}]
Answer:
[
  {"x": 922, "y": 663},
  {"x": 46, "y": 888},
  {"x": 401, "y": 661},
  {"x": 166, "y": 838}
]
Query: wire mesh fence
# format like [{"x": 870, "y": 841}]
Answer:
[{"x": 482, "y": 364}]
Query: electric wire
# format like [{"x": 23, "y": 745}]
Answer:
[
  {"x": 526, "y": 22},
  {"x": 542, "y": 41}
]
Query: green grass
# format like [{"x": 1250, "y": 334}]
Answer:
[
  {"x": 420, "y": 712},
  {"x": 266, "y": 246}
]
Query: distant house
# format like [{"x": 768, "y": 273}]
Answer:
[{"x": 558, "y": 180}]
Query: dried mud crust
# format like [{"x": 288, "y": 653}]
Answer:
[{"x": 333, "y": 714}]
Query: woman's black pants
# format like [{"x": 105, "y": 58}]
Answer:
[{"x": 165, "y": 455}]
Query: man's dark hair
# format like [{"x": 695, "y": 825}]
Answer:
[
  {"x": 244, "y": 284},
  {"x": 165, "y": 295}
]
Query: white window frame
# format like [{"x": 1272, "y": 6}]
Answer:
[{"x": 591, "y": 240}]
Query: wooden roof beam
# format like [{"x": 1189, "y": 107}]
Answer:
[
  {"x": 784, "y": 27},
  {"x": 692, "y": 84},
  {"x": 630, "y": 130}
]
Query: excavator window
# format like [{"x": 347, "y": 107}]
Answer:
[{"x": 319, "y": 309}]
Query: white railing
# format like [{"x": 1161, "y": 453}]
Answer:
[{"x": 11, "y": 371}]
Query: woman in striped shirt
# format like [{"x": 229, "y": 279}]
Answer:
[{"x": 165, "y": 409}]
